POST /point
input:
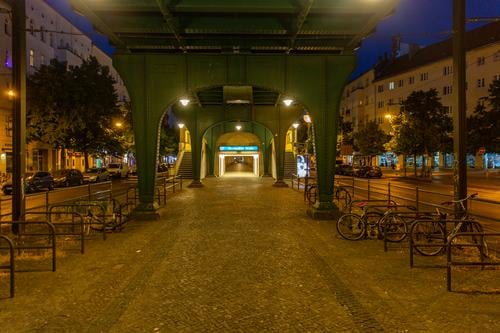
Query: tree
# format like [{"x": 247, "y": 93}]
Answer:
[
  {"x": 74, "y": 108},
  {"x": 425, "y": 126},
  {"x": 50, "y": 107},
  {"x": 484, "y": 125},
  {"x": 370, "y": 140},
  {"x": 96, "y": 105}
]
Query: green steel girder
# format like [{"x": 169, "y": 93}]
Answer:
[{"x": 241, "y": 26}]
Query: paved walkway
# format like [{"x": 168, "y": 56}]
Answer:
[{"x": 241, "y": 256}]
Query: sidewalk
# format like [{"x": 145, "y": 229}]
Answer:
[{"x": 242, "y": 256}]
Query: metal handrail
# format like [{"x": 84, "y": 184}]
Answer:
[
  {"x": 11, "y": 265},
  {"x": 450, "y": 262},
  {"x": 51, "y": 235}
]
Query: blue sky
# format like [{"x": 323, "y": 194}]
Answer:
[{"x": 418, "y": 21}]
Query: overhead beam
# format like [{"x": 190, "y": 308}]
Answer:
[
  {"x": 169, "y": 20},
  {"x": 301, "y": 18},
  {"x": 84, "y": 9}
]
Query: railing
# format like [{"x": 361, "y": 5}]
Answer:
[
  {"x": 63, "y": 227},
  {"x": 31, "y": 202},
  {"x": 450, "y": 262},
  {"x": 20, "y": 239},
  {"x": 11, "y": 265},
  {"x": 161, "y": 190}
]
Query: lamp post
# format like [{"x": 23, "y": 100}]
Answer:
[{"x": 19, "y": 109}]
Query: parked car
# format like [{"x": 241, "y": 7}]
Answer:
[
  {"x": 118, "y": 170},
  {"x": 34, "y": 182},
  {"x": 343, "y": 169},
  {"x": 368, "y": 172},
  {"x": 94, "y": 175},
  {"x": 68, "y": 177}
]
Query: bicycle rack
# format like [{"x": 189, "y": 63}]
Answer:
[
  {"x": 482, "y": 263},
  {"x": 443, "y": 244},
  {"x": 76, "y": 220},
  {"x": 51, "y": 234},
  {"x": 76, "y": 208},
  {"x": 405, "y": 215},
  {"x": 10, "y": 266}
]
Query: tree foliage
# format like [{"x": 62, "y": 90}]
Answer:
[
  {"x": 484, "y": 125},
  {"x": 75, "y": 107},
  {"x": 424, "y": 125},
  {"x": 370, "y": 139}
]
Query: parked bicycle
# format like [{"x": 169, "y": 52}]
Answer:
[
  {"x": 341, "y": 196},
  {"x": 352, "y": 226},
  {"x": 430, "y": 234}
]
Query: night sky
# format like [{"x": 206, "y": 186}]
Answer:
[{"x": 418, "y": 21}]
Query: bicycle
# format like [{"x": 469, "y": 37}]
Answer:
[
  {"x": 108, "y": 223},
  {"x": 352, "y": 226},
  {"x": 341, "y": 197},
  {"x": 431, "y": 232}
]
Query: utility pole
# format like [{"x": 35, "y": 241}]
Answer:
[
  {"x": 19, "y": 108},
  {"x": 459, "y": 101}
]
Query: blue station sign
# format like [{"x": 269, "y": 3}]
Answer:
[{"x": 238, "y": 148}]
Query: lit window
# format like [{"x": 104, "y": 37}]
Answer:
[
  {"x": 32, "y": 57},
  {"x": 392, "y": 85}
]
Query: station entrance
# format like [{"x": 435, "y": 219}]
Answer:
[{"x": 239, "y": 165}]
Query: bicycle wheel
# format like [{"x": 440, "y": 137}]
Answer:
[
  {"x": 426, "y": 234},
  {"x": 311, "y": 194},
  {"x": 395, "y": 227},
  {"x": 341, "y": 198},
  {"x": 351, "y": 227}
]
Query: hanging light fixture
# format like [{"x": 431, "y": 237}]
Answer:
[
  {"x": 184, "y": 101},
  {"x": 288, "y": 101}
]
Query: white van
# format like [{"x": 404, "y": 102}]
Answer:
[{"x": 118, "y": 170}]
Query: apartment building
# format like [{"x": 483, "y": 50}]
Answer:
[
  {"x": 377, "y": 94},
  {"x": 49, "y": 35}
]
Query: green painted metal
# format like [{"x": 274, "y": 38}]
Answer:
[
  {"x": 173, "y": 48},
  {"x": 156, "y": 82},
  {"x": 236, "y": 26}
]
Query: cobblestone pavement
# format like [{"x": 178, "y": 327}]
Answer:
[{"x": 242, "y": 256}]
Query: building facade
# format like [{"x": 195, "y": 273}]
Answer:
[
  {"x": 49, "y": 35},
  {"x": 377, "y": 94}
]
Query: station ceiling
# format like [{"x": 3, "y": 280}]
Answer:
[{"x": 235, "y": 26}]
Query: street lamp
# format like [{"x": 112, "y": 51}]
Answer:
[
  {"x": 118, "y": 124},
  {"x": 295, "y": 125},
  {"x": 11, "y": 93},
  {"x": 288, "y": 101},
  {"x": 181, "y": 125},
  {"x": 184, "y": 101},
  {"x": 238, "y": 127}
]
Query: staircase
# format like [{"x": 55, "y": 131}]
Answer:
[
  {"x": 186, "y": 167},
  {"x": 290, "y": 165}
]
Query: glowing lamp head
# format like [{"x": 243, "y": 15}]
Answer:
[
  {"x": 118, "y": 124},
  {"x": 11, "y": 93},
  {"x": 288, "y": 101},
  {"x": 181, "y": 125},
  {"x": 238, "y": 127},
  {"x": 388, "y": 116},
  {"x": 295, "y": 125},
  {"x": 184, "y": 101}
]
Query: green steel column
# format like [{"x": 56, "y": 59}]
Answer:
[
  {"x": 19, "y": 107},
  {"x": 337, "y": 71}
]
